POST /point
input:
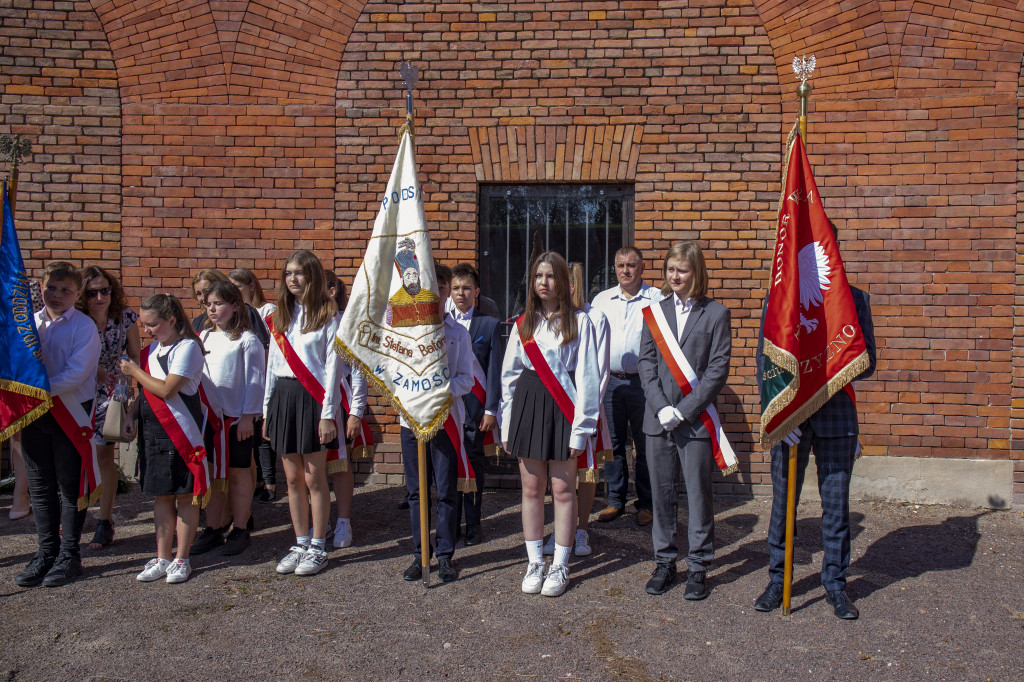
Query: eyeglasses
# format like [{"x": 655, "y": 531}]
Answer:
[{"x": 95, "y": 293}]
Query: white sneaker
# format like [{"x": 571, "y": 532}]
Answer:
[
  {"x": 582, "y": 546},
  {"x": 534, "y": 578},
  {"x": 179, "y": 571},
  {"x": 549, "y": 545},
  {"x": 291, "y": 560},
  {"x": 556, "y": 581},
  {"x": 342, "y": 536},
  {"x": 313, "y": 561},
  {"x": 154, "y": 570}
]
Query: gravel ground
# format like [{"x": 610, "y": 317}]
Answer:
[{"x": 939, "y": 590}]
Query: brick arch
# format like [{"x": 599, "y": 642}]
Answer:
[{"x": 60, "y": 89}]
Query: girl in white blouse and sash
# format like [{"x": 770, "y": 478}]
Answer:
[{"x": 551, "y": 388}]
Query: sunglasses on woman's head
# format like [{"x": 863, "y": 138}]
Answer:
[{"x": 93, "y": 293}]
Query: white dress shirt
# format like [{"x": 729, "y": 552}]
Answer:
[
  {"x": 579, "y": 357},
  {"x": 237, "y": 368},
  {"x": 184, "y": 359},
  {"x": 683, "y": 309},
  {"x": 463, "y": 318},
  {"x": 71, "y": 353},
  {"x": 316, "y": 351},
  {"x": 626, "y": 317},
  {"x": 460, "y": 366}
]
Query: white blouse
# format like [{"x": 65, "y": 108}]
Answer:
[
  {"x": 581, "y": 357},
  {"x": 236, "y": 367},
  {"x": 603, "y": 332},
  {"x": 184, "y": 359},
  {"x": 316, "y": 351}
]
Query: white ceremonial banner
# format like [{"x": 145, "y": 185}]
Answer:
[{"x": 393, "y": 327}]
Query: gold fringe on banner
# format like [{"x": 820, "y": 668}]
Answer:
[
  {"x": 361, "y": 452},
  {"x": 422, "y": 433},
  {"x": 466, "y": 485},
  {"x": 602, "y": 456},
  {"x": 588, "y": 475},
  {"x": 35, "y": 413},
  {"x": 492, "y": 450},
  {"x": 337, "y": 466}
]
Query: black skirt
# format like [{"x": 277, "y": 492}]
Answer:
[
  {"x": 293, "y": 420},
  {"x": 537, "y": 428},
  {"x": 162, "y": 471}
]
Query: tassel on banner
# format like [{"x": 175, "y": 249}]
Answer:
[
  {"x": 588, "y": 475},
  {"x": 467, "y": 485},
  {"x": 603, "y": 456},
  {"x": 362, "y": 452},
  {"x": 337, "y": 466}
]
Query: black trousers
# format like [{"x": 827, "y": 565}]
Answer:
[
  {"x": 53, "y": 469},
  {"x": 441, "y": 459},
  {"x": 471, "y": 503}
]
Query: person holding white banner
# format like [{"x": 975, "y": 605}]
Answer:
[
  {"x": 685, "y": 351},
  {"x": 550, "y": 403}
]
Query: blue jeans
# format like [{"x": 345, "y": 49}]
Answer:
[{"x": 624, "y": 405}]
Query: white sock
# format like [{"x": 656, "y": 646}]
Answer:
[
  {"x": 535, "y": 550},
  {"x": 320, "y": 543},
  {"x": 561, "y": 555},
  {"x": 302, "y": 541},
  {"x": 342, "y": 522}
]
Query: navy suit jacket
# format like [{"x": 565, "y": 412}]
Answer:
[
  {"x": 489, "y": 349},
  {"x": 706, "y": 343},
  {"x": 837, "y": 417}
]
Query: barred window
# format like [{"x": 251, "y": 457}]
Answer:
[{"x": 584, "y": 223}]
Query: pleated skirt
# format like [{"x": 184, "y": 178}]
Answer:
[
  {"x": 537, "y": 428},
  {"x": 293, "y": 419}
]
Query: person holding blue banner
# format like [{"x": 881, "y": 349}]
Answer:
[{"x": 58, "y": 444}]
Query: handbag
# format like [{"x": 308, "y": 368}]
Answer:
[{"x": 114, "y": 422}]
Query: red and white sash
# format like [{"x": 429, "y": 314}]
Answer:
[
  {"x": 491, "y": 446},
  {"x": 587, "y": 462},
  {"x": 362, "y": 446},
  {"x": 221, "y": 425},
  {"x": 684, "y": 375},
  {"x": 78, "y": 427},
  {"x": 182, "y": 429},
  {"x": 301, "y": 372}
]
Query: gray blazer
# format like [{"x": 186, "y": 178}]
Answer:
[{"x": 707, "y": 344}]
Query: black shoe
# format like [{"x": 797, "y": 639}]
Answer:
[
  {"x": 237, "y": 540},
  {"x": 414, "y": 572},
  {"x": 696, "y": 588},
  {"x": 65, "y": 569},
  {"x": 258, "y": 490},
  {"x": 770, "y": 599},
  {"x": 267, "y": 495},
  {"x": 35, "y": 572},
  {"x": 661, "y": 579},
  {"x": 404, "y": 504},
  {"x": 250, "y": 525},
  {"x": 841, "y": 605},
  {"x": 207, "y": 540},
  {"x": 445, "y": 570},
  {"x": 474, "y": 536}
]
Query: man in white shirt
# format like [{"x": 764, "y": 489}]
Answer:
[
  {"x": 71, "y": 352},
  {"x": 624, "y": 400}
]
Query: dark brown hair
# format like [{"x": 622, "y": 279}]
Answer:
[
  {"x": 232, "y": 295},
  {"x": 167, "y": 306},
  {"x": 118, "y": 301},
  {"x": 566, "y": 310},
  {"x": 463, "y": 270},
  {"x": 62, "y": 270},
  {"x": 249, "y": 279},
  {"x": 340, "y": 294},
  {"x": 320, "y": 309}
]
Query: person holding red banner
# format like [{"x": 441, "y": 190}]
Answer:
[
  {"x": 57, "y": 447},
  {"x": 550, "y": 404},
  {"x": 685, "y": 351},
  {"x": 172, "y": 457},
  {"x": 832, "y": 433},
  {"x": 301, "y": 403}
]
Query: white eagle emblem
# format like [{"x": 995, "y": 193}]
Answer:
[{"x": 814, "y": 279}]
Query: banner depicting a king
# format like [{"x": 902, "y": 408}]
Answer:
[{"x": 393, "y": 327}]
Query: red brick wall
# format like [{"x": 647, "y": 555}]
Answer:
[{"x": 250, "y": 128}]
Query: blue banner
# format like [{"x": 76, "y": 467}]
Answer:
[{"x": 24, "y": 386}]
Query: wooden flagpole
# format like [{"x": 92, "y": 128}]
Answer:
[{"x": 803, "y": 67}]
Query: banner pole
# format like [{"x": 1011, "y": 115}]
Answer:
[
  {"x": 421, "y": 454},
  {"x": 787, "y": 579}
]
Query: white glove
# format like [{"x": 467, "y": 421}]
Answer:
[
  {"x": 669, "y": 417},
  {"x": 793, "y": 438}
]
